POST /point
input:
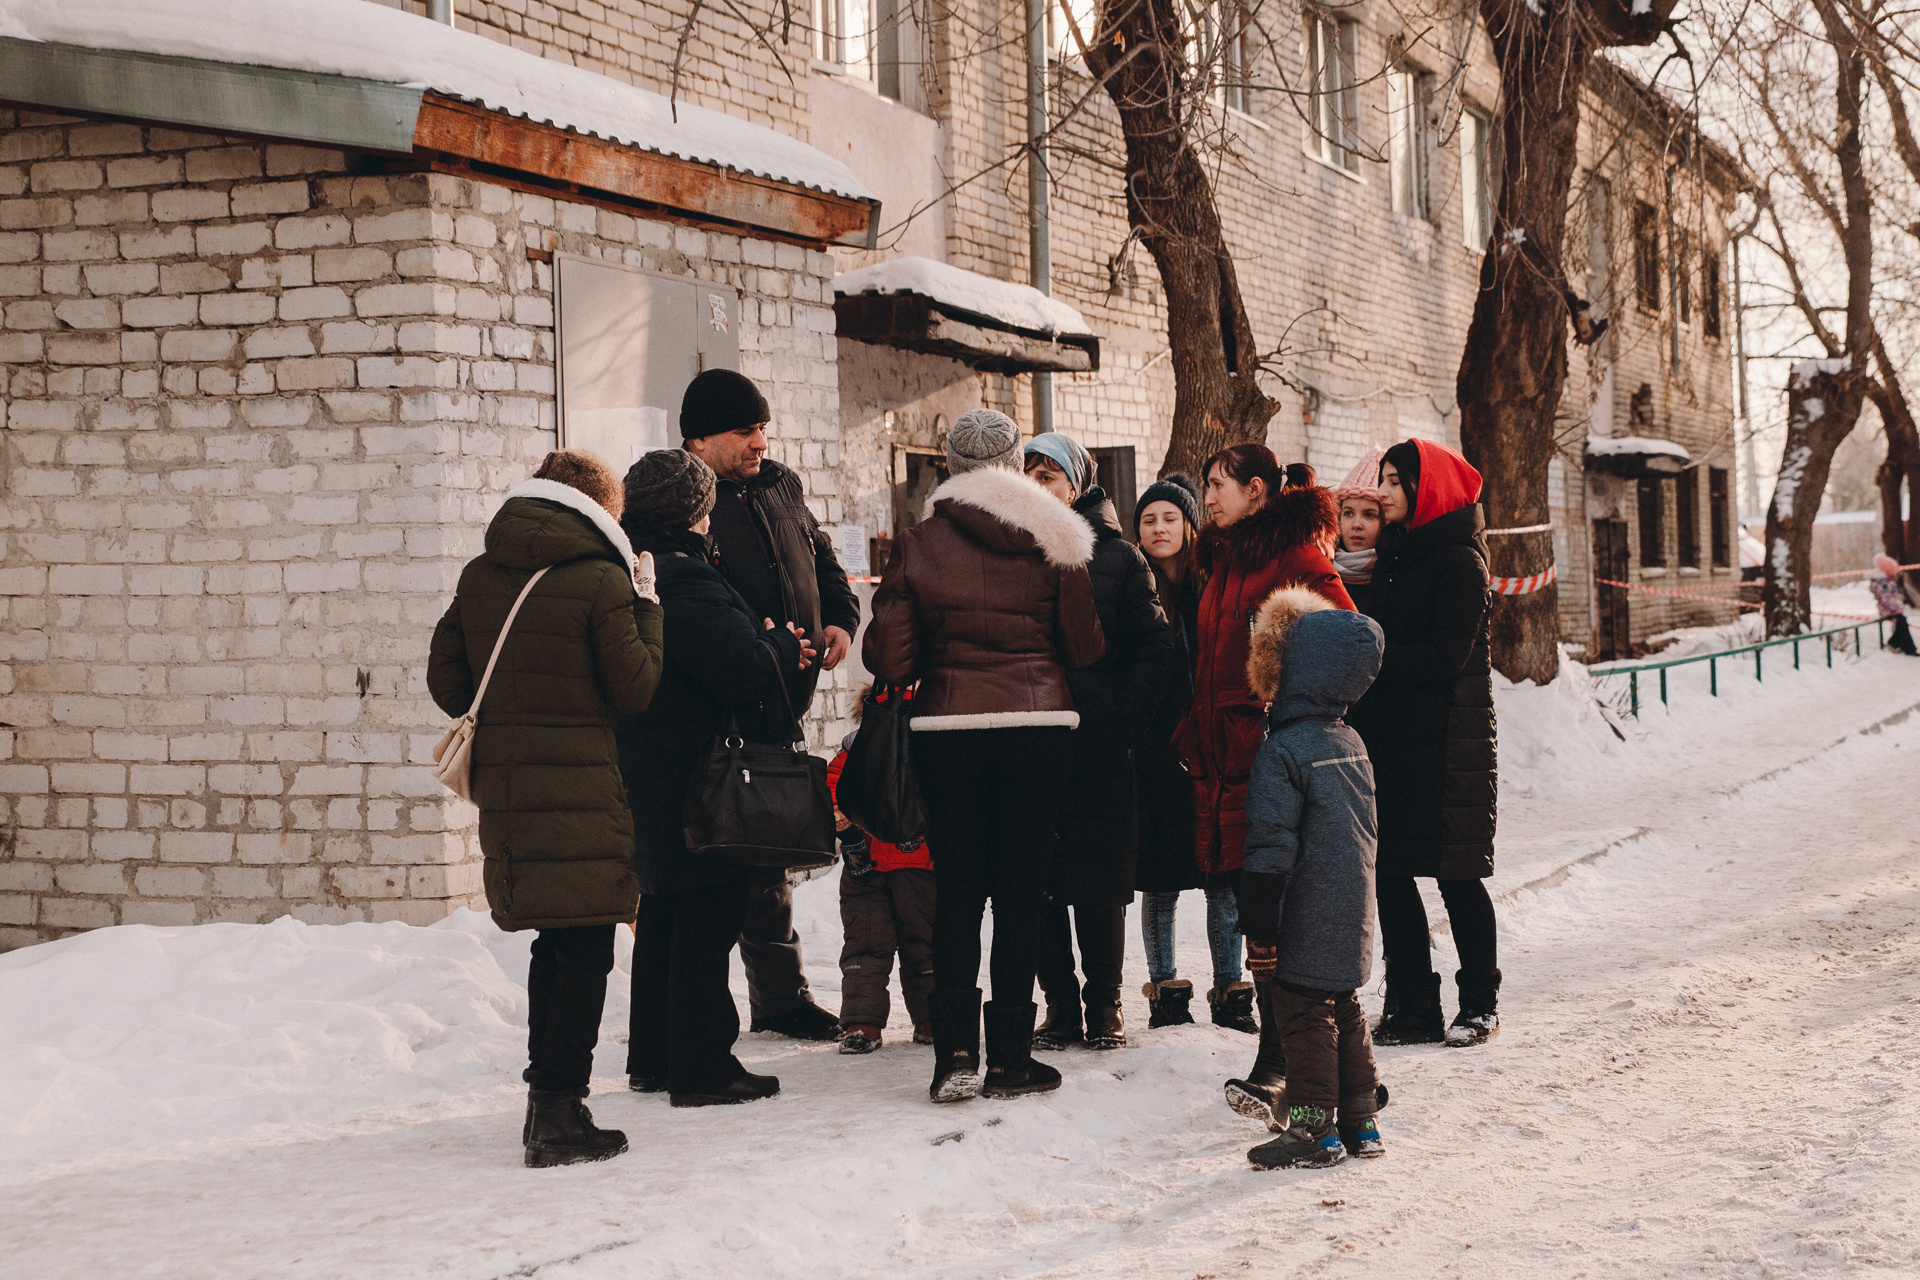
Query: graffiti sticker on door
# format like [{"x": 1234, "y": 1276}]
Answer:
[{"x": 717, "y": 312}]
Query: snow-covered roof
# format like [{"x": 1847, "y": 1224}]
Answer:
[
  {"x": 367, "y": 41},
  {"x": 1016, "y": 305},
  {"x": 1628, "y": 446}
]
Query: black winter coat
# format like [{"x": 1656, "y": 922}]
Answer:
[
  {"x": 817, "y": 593},
  {"x": 1093, "y": 863},
  {"x": 1166, "y": 863},
  {"x": 1428, "y": 719},
  {"x": 718, "y": 660}
]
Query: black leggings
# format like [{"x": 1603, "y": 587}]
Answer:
[
  {"x": 992, "y": 797},
  {"x": 566, "y": 992},
  {"x": 1404, "y": 934}
]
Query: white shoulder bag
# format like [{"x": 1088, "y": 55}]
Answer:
[{"x": 453, "y": 758}]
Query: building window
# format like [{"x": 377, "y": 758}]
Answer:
[
  {"x": 1686, "y": 517},
  {"x": 1683, "y": 281},
  {"x": 1476, "y": 179},
  {"x": 845, "y": 34},
  {"x": 1710, "y": 294},
  {"x": 1407, "y": 146},
  {"x": 1226, "y": 54},
  {"x": 1719, "y": 517},
  {"x": 1336, "y": 96},
  {"x": 1646, "y": 256},
  {"x": 1653, "y": 524}
]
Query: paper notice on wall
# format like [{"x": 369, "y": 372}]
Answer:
[{"x": 853, "y": 550}]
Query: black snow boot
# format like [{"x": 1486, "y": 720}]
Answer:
[
  {"x": 1310, "y": 1140},
  {"x": 560, "y": 1130},
  {"x": 1167, "y": 1002},
  {"x": 1106, "y": 1028},
  {"x": 1011, "y": 1070},
  {"x": 747, "y": 1087},
  {"x": 1261, "y": 1094},
  {"x": 1412, "y": 1013},
  {"x": 956, "y": 1046},
  {"x": 1478, "y": 1020},
  {"x": 808, "y": 1022},
  {"x": 1233, "y": 1007},
  {"x": 1063, "y": 1027}
]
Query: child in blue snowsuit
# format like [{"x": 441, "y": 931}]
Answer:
[{"x": 1306, "y": 888}]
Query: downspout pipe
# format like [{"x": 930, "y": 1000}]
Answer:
[
  {"x": 440, "y": 11},
  {"x": 1039, "y": 247},
  {"x": 1749, "y": 455}
]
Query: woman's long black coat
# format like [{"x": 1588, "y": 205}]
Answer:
[
  {"x": 1093, "y": 862},
  {"x": 718, "y": 660},
  {"x": 1428, "y": 719},
  {"x": 1166, "y": 862}
]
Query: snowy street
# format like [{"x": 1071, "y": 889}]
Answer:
[{"x": 1707, "y": 1068}]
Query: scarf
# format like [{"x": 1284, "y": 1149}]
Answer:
[{"x": 1355, "y": 566}]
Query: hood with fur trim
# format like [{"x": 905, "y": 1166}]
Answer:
[
  {"x": 1307, "y": 658},
  {"x": 521, "y": 537},
  {"x": 1008, "y": 512},
  {"x": 1293, "y": 518},
  {"x": 1272, "y": 628}
]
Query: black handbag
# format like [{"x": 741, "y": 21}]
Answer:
[
  {"x": 878, "y": 789},
  {"x": 759, "y": 804}
]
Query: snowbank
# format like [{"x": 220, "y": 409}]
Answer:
[
  {"x": 1018, "y": 305},
  {"x": 372, "y": 42}
]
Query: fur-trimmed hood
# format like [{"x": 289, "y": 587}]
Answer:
[
  {"x": 1294, "y": 517},
  {"x": 1305, "y": 664},
  {"x": 1008, "y": 512},
  {"x": 534, "y": 543}
]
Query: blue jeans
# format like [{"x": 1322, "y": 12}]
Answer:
[{"x": 1223, "y": 935}]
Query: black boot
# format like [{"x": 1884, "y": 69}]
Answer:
[
  {"x": 1063, "y": 1028},
  {"x": 1167, "y": 1002},
  {"x": 808, "y": 1022},
  {"x": 1479, "y": 1019},
  {"x": 1233, "y": 1007},
  {"x": 1310, "y": 1139},
  {"x": 1413, "y": 1011},
  {"x": 560, "y": 1130},
  {"x": 1011, "y": 1070},
  {"x": 956, "y": 1045},
  {"x": 1106, "y": 1028},
  {"x": 1261, "y": 1094},
  {"x": 748, "y": 1087}
]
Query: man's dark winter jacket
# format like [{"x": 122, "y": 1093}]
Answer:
[
  {"x": 719, "y": 661},
  {"x": 814, "y": 588},
  {"x": 1093, "y": 863},
  {"x": 1310, "y": 801},
  {"x": 1428, "y": 720},
  {"x": 554, "y": 821}
]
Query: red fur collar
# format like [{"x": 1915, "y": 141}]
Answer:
[{"x": 1294, "y": 518}]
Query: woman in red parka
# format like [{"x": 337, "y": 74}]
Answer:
[{"x": 1264, "y": 535}]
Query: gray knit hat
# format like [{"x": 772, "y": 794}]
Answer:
[
  {"x": 983, "y": 438},
  {"x": 669, "y": 488}
]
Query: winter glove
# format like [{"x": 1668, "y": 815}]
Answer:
[
  {"x": 1261, "y": 960},
  {"x": 643, "y": 578},
  {"x": 1260, "y": 894},
  {"x": 857, "y": 855}
]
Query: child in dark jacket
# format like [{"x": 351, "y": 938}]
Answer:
[
  {"x": 1306, "y": 889},
  {"x": 886, "y": 907}
]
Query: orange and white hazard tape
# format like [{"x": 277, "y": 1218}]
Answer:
[{"x": 1525, "y": 586}]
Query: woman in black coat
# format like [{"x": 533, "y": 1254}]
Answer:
[
  {"x": 1093, "y": 860},
  {"x": 723, "y": 667},
  {"x": 1429, "y": 728}
]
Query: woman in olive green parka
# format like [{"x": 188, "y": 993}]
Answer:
[{"x": 555, "y": 825}]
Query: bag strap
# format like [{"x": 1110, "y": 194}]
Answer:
[{"x": 501, "y": 642}]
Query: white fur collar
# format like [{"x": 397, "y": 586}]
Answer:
[
  {"x": 567, "y": 496},
  {"x": 1011, "y": 498}
]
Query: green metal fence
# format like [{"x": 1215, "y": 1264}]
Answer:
[{"x": 1713, "y": 660}]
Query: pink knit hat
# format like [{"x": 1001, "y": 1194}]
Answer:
[
  {"x": 1887, "y": 565},
  {"x": 1364, "y": 480}
]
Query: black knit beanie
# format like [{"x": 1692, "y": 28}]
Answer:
[
  {"x": 1180, "y": 490},
  {"x": 721, "y": 400},
  {"x": 669, "y": 489}
]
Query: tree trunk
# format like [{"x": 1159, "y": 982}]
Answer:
[
  {"x": 1899, "y": 534},
  {"x": 1823, "y": 403},
  {"x": 1137, "y": 53}
]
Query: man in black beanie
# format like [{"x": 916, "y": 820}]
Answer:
[{"x": 774, "y": 554}]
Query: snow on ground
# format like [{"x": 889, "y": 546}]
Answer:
[{"x": 1713, "y": 988}]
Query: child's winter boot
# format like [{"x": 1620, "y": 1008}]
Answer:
[
  {"x": 956, "y": 1046},
  {"x": 1011, "y": 1070},
  {"x": 1478, "y": 1020},
  {"x": 1233, "y": 1007},
  {"x": 560, "y": 1130},
  {"x": 860, "y": 1040},
  {"x": 1412, "y": 1011},
  {"x": 1361, "y": 1136},
  {"x": 1261, "y": 1094},
  {"x": 1311, "y": 1140},
  {"x": 1167, "y": 1002}
]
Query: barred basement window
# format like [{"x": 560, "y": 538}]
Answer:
[
  {"x": 1719, "y": 517},
  {"x": 1686, "y": 516},
  {"x": 1646, "y": 256},
  {"x": 1653, "y": 522}
]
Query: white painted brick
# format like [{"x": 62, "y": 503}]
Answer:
[
  {"x": 351, "y": 264},
  {"x": 314, "y": 303}
]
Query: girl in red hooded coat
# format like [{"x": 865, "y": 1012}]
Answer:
[
  {"x": 1428, "y": 724},
  {"x": 1264, "y": 535}
]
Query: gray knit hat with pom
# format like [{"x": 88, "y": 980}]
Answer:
[
  {"x": 669, "y": 489},
  {"x": 983, "y": 438}
]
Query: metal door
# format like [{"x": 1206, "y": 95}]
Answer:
[{"x": 1613, "y": 633}]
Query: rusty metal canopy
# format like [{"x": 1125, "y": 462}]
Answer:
[{"x": 914, "y": 322}]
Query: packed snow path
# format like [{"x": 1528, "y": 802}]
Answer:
[{"x": 1707, "y": 1069}]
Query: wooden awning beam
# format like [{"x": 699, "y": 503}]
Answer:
[{"x": 913, "y": 322}]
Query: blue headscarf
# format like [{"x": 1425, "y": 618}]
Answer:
[{"x": 1067, "y": 452}]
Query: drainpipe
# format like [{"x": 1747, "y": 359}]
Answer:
[
  {"x": 1749, "y": 456},
  {"x": 1039, "y": 250},
  {"x": 440, "y": 11}
]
